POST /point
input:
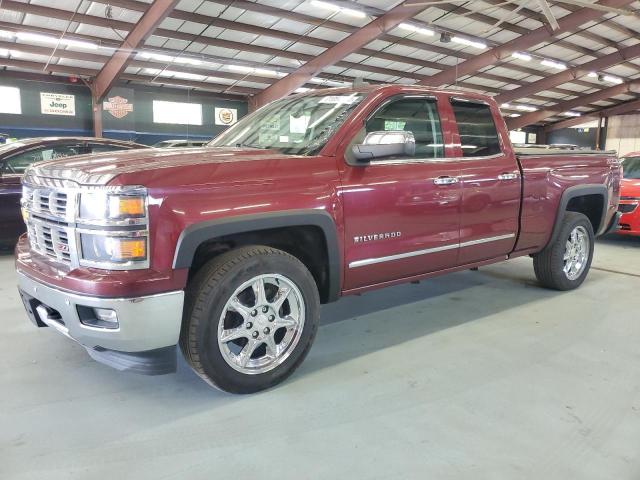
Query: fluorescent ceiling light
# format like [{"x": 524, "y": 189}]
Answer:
[
  {"x": 4, "y": 52},
  {"x": 612, "y": 79},
  {"x": 414, "y": 28},
  {"x": 153, "y": 71},
  {"x": 470, "y": 43},
  {"x": 593, "y": 75},
  {"x": 514, "y": 115},
  {"x": 572, "y": 114},
  {"x": 302, "y": 90},
  {"x": 264, "y": 71},
  {"x": 505, "y": 105},
  {"x": 157, "y": 56},
  {"x": 258, "y": 71},
  {"x": 526, "y": 108},
  {"x": 333, "y": 83},
  {"x": 185, "y": 75},
  {"x": 240, "y": 68},
  {"x": 187, "y": 60},
  {"x": 167, "y": 58},
  {"x": 36, "y": 37},
  {"x": 6, "y": 34},
  {"x": 553, "y": 64},
  {"x": 79, "y": 44},
  {"x": 338, "y": 8},
  {"x": 522, "y": 56}
]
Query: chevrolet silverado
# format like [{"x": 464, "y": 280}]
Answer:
[{"x": 229, "y": 250}]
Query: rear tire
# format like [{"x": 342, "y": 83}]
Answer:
[
  {"x": 565, "y": 263},
  {"x": 250, "y": 318}
]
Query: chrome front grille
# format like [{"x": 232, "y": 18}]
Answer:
[
  {"x": 47, "y": 202},
  {"x": 49, "y": 214},
  {"x": 49, "y": 239}
]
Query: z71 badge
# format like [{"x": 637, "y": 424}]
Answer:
[{"x": 372, "y": 237}]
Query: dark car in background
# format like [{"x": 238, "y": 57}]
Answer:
[
  {"x": 17, "y": 156},
  {"x": 180, "y": 143}
]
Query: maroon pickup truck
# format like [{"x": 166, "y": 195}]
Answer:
[{"x": 229, "y": 250}]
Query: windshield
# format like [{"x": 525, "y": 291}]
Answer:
[
  {"x": 296, "y": 126},
  {"x": 631, "y": 167}
]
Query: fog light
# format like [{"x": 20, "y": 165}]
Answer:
[
  {"x": 106, "y": 315},
  {"x": 98, "y": 317}
]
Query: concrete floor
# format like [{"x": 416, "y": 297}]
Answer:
[{"x": 474, "y": 375}]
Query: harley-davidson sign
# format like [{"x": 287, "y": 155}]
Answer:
[{"x": 118, "y": 106}]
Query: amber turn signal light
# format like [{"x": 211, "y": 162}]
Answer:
[{"x": 123, "y": 207}]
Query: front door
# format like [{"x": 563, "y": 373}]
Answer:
[
  {"x": 401, "y": 213},
  {"x": 490, "y": 181}
]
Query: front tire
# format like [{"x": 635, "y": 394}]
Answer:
[
  {"x": 564, "y": 263},
  {"x": 250, "y": 318}
]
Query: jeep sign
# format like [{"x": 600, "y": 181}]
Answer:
[{"x": 57, "y": 104}]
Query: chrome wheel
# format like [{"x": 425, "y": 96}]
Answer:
[
  {"x": 261, "y": 324},
  {"x": 576, "y": 253}
]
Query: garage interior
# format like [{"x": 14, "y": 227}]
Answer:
[{"x": 475, "y": 374}]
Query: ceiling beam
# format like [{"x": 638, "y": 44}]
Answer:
[
  {"x": 49, "y": 12},
  {"x": 533, "y": 117},
  {"x": 96, "y": 57},
  {"x": 547, "y": 83},
  {"x": 524, "y": 42},
  {"x": 330, "y": 56},
  {"x": 226, "y": 91},
  {"x": 620, "y": 109},
  {"x": 151, "y": 18},
  {"x": 534, "y": 15},
  {"x": 546, "y": 10}
]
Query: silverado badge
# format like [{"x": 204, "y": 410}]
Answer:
[{"x": 372, "y": 237}]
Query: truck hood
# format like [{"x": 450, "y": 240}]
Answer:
[{"x": 100, "y": 169}]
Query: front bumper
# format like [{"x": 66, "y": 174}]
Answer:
[{"x": 147, "y": 333}]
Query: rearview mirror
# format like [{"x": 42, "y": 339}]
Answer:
[{"x": 385, "y": 144}]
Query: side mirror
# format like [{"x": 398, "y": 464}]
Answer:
[{"x": 385, "y": 144}]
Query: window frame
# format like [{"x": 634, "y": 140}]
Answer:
[
  {"x": 399, "y": 161},
  {"x": 498, "y": 133}
]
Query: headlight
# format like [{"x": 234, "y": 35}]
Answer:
[
  {"x": 113, "y": 250},
  {"x": 104, "y": 208},
  {"x": 113, "y": 228}
]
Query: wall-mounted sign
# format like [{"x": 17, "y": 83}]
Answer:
[
  {"x": 118, "y": 106},
  {"x": 226, "y": 116},
  {"x": 57, "y": 104}
]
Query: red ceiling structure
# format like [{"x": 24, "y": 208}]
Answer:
[{"x": 239, "y": 48}]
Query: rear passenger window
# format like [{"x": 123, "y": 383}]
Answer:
[
  {"x": 478, "y": 133},
  {"x": 416, "y": 115}
]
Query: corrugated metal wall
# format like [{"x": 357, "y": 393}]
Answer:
[{"x": 623, "y": 134}]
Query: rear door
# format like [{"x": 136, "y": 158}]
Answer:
[
  {"x": 490, "y": 181},
  {"x": 401, "y": 213}
]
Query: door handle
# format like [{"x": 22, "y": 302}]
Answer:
[
  {"x": 445, "y": 180},
  {"x": 507, "y": 176}
]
